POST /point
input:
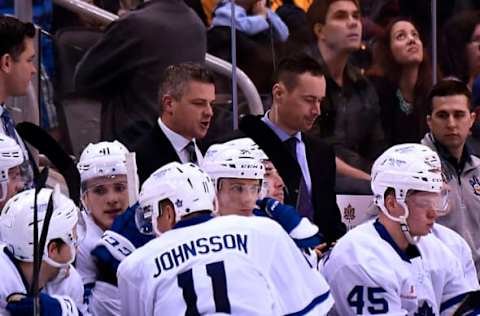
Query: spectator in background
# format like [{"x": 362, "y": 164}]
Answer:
[
  {"x": 459, "y": 53},
  {"x": 450, "y": 119},
  {"x": 350, "y": 119},
  {"x": 459, "y": 57},
  {"x": 123, "y": 68},
  {"x": 405, "y": 82},
  {"x": 261, "y": 18},
  {"x": 186, "y": 94},
  {"x": 17, "y": 54},
  {"x": 259, "y": 31}
]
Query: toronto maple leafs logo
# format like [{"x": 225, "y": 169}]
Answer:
[
  {"x": 349, "y": 212},
  {"x": 178, "y": 203},
  {"x": 424, "y": 310},
  {"x": 475, "y": 183}
]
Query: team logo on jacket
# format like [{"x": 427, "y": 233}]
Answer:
[{"x": 475, "y": 183}]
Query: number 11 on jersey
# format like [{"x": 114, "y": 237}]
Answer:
[{"x": 216, "y": 272}]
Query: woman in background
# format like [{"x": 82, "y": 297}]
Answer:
[{"x": 403, "y": 83}]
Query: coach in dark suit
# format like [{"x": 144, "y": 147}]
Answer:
[
  {"x": 306, "y": 165},
  {"x": 186, "y": 94},
  {"x": 123, "y": 68}
]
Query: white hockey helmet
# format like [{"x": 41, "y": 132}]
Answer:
[
  {"x": 11, "y": 155},
  {"x": 16, "y": 223},
  {"x": 102, "y": 159},
  {"x": 248, "y": 144},
  {"x": 404, "y": 168},
  {"x": 224, "y": 161},
  {"x": 188, "y": 187}
]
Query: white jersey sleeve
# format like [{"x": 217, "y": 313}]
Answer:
[
  {"x": 460, "y": 248},
  {"x": 104, "y": 300},
  {"x": 85, "y": 262},
  {"x": 300, "y": 289},
  {"x": 130, "y": 286}
]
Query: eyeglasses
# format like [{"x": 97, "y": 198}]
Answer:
[{"x": 437, "y": 202}]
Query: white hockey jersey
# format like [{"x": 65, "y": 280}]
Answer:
[
  {"x": 369, "y": 275},
  {"x": 103, "y": 300},
  {"x": 230, "y": 264},
  {"x": 11, "y": 282},
  {"x": 461, "y": 250}
]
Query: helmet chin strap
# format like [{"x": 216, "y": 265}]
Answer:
[
  {"x": 404, "y": 226},
  {"x": 61, "y": 265},
  {"x": 402, "y": 220}
]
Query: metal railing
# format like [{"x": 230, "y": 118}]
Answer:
[{"x": 214, "y": 63}]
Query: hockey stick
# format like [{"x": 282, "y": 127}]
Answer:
[
  {"x": 39, "y": 184},
  {"x": 42, "y": 141}
]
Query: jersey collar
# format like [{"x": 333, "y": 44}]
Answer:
[
  {"x": 193, "y": 221},
  {"x": 411, "y": 251}
]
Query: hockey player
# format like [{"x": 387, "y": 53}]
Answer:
[
  {"x": 205, "y": 265},
  {"x": 273, "y": 184},
  {"x": 102, "y": 168},
  {"x": 11, "y": 157},
  {"x": 392, "y": 264},
  {"x": 237, "y": 175},
  {"x": 61, "y": 286}
]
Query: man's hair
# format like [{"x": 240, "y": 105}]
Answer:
[
  {"x": 175, "y": 77},
  {"x": 455, "y": 37},
  {"x": 317, "y": 12},
  {"x": 13, "y": 32},
  {"x": 449, "y": 87},
  {"x": 292, "y": 66}
]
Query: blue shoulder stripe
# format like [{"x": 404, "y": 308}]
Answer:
[
  {"x": 451, "y": 302},
  {"x": 317, "y": 300}
]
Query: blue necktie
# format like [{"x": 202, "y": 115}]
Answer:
[
  {"x": 304, "y": 201},
  {"x": 192, "y": 154}
]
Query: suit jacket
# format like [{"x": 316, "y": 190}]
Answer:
[
  {"x": 321, "y": 164},
  {"x": 153, "y": 151},
  {"x": 124, "y": 67}
]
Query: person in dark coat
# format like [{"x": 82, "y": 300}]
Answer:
[{"x": 123, "y": 69}]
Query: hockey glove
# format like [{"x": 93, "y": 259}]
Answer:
[
  {"x": 20, "y": 304},
  {"x": 301, "y": 230},
  {"x": 116, "y": 244}
]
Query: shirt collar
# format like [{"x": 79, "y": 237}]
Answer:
[
  {"x": 283, "y": 135},
  {"x": 178, "y": 141},
  {"x": 193, "y": 221},
  {"x": 351, "y": 73},
  {"x": 445, "y": 154},
  {"x": 411, "y": 251}
]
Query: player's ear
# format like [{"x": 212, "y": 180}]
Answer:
[{"x": 390, "y": 201}]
